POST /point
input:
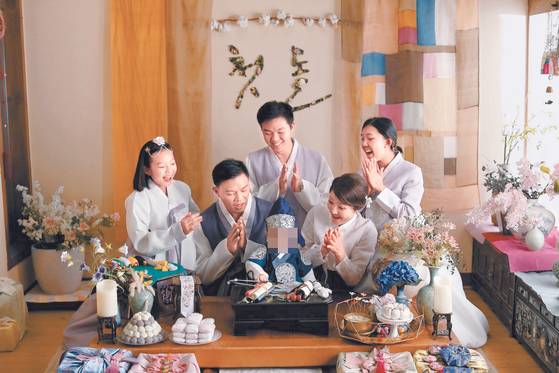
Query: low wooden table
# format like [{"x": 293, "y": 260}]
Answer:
[{"x": 267, "y": 348}]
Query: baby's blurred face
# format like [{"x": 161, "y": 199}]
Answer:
[{"x": 281, "y": 239}]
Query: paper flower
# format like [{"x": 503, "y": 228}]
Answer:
[
  {"x": 226, "y": 27},
  {"x": 275, "y": 22},
  {"x": 264, "y": 19},
  {"x": 98, "y": 276},
  {"x": 280, "y": 14},
  {"x": 333, "y": 19},
  {"x": 84, "y": 267},
  {"x": 159, "y": 140},
  {"x": 308, "y": 21},
  {"x": 214, "y": 25},
  {"x": 65, "y": 257},
  {"x": 97, "y": 245},
  {"x": 123, "y": 249},
  {"x": 289, "y": 21},
  {"x": 242, "y": 21},
  {"x": 322, "y": 22}
]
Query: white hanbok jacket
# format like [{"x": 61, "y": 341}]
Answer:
[
  {"x": 153, "y": 223},
  {"x": 359, "y": 239},
  {"x": 264, "y": 169},
  {"x": 401, "y": 196}
]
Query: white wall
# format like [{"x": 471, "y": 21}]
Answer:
[
  {"x": 66, "y": 48},
  {"x": 542, "y": 147},
  {"x": 235, "y": 132},
  {"x": 502, "y": 74},
  {"x": 66, "y": 51}
]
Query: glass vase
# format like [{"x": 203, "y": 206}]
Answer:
[{"x": 425, "y": 297}]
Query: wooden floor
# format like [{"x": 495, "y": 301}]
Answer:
[{"x": 44, "y": 339}]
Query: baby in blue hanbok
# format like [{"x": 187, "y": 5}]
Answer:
[{"x": 281, "y": 262}]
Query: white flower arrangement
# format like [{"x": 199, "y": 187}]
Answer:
[
  {"x": 60, "y": 225},
  {"x": 281, "y": 17}
]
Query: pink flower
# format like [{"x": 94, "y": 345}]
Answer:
[{"x": 83, "y": 226}]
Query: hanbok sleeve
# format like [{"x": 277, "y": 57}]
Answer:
[
  {"x": 312, "y": 195},
  {"x": 311, "y": 251},
  {"x": 305, "y": 268},
  {"x": 256, "y": 262},
  {"x": 192, "y": 206},
  {"x": 409, "y": 202},
  {"x": 268, "y": 192},
  {"x": 353, "y": 267},
  {"x": 210, "y": 264},
  {"x": 145, "y": 240}
]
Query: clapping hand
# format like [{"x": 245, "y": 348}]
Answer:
[
  {"x": 236, "y": 238},
  {"x": 373, "y": 174},
  {"x": 333, "y": 243},
  {"x": 190, "y": 222},
  {"x": 282, "y": 180},
  {"x": 296, "y": 180}
]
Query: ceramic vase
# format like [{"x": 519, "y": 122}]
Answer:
[
  {"x": 401, "y": 295},
  {"x": 537, "y": 212},
  {"x": 425, "y": 297},
  {"x": 53, "y": 276},
  {"x": 141, "y": 301},
  {"x": 555, "y": 270}
]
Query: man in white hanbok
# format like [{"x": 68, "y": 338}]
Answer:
[
  {"x": 284, "y": 167},
  {"x": 395, "y": 190}
]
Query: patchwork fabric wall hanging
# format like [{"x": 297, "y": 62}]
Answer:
[{"x": 419, "y": 67}]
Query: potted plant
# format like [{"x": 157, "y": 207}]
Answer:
[{"x": 59, "y": 231}]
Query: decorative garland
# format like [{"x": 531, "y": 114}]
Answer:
[{"x": 279, "y": 19}]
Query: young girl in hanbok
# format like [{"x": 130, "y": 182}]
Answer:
[
  {"x": 395, "y": 189},
  {"x": 160, "y": 215},
  {"x": 160, "y": 212},
  {"x": 339, "y": 242}
]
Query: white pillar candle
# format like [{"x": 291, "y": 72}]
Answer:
[
  {"x": 107, "y": 304},
  {"x": 442, "y": 294}
]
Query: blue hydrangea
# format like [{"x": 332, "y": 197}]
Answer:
[{"x": 396, "y": 273}]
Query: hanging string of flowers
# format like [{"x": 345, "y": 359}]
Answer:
[{"x": 280, "y": 18}]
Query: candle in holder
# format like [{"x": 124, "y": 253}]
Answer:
[
  {"x": 107, "y": 304},
  {"x": 442, "y": 294}
]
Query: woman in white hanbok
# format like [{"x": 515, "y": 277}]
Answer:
[
  {"x": 395, "y": 190},
  {"x": 339, "y": 242}
]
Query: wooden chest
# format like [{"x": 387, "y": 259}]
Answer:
[
  {"x": 536, "y": 328},
  {"x": 493, "y": 280},
  {"x": 308, "y": 317}
]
